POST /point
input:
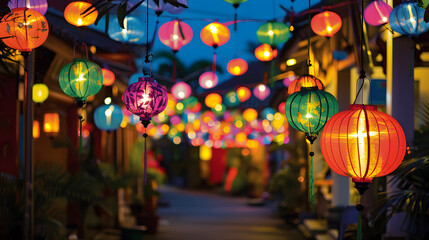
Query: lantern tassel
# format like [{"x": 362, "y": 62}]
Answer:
[
  {"x": 81, "y": 120},
  {"x": 360, "y": 208},
  {"x": 214, "y": 63},
  {"x": 311, "y": 182},
  {"x": 145, "y": 156}
]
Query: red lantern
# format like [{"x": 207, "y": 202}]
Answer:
[
  {"x": 265, "y": 53},
  {"x": 326, "y": 24},
  {"x": 237, "y": 66},
  {"x": 108, "y": 77},
  {"x": 304, "y": 81}
]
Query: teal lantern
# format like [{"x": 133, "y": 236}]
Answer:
[
  {"x": 81, "y": 79},
  {"x": 231, "y": 99},
  {"x": 407, "y": 19},
  {"x": 108, "y": 117},
  {"x": 273, "y": 33}
]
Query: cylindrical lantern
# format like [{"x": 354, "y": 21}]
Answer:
[
  {"x": 212, "y": 100},
  {"x": 273, "y": 33},
  {"x": 181, "y": 90},
  {"x": 73, "y": 14},
  {"x": 363, "y": 143},
  {"x": 131, "y": 33},
  {"x": 108, "y": 77},
  {"x": 38, "y": 5},
  {"x": 108, "y": 117},
  {"x": 237, "y": 66},
  {"x": 377, "y": 13},
  {"x": 215, "y": 34},
  {"x": 326, "y": 24},
  {"x": 265, "y": 53},
  {"x": 243, "y": 93},
  {"x": 261, "y": 91},
  {"x": 407, "y": 19},
  {"x": 304, "y": 81},
  {"x": 81, "y": 79},
  {"x": 51, "y": 124},
  {"x": 24, "y": 29},
  {"x": 175, "y": 34},
  {"x": 208, "y": 80},
  {"x": 36, "y": 129},
  {"x": 40, "y": 92}
]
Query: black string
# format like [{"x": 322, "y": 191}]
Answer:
[
  {"x": 361, "y": 38},
  {"x": 309, "y": 37}
]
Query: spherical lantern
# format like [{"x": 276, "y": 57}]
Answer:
[
  {"x": 219, "y": 109},
  {"x": 159, "y": 6},
  {"x": 81, "y": 79},
  {"x": 273, "y": 33},
  {"x": 212, "y": 100},
  {"x": 24, "y": 29},
  {"x": 363, "y": 143},
  {"x": 237, "y": 66},
  {"x": 108, "y": 117},
  {"x": 38, "y": 5},
  {"x": 265, "y": 53},
  {"x": 231, "y": 99},
  {"x": 73, "y": 14},
  {"x": 132, "y": 33},
  {"x": 108, "y": 77},
  {"x": 40, "y": 92},
  {"x": 304, "y": 81},
  {"x": 250, "y": 114},
  {"x": 208, "y": 80},
  {"x": 243, "y": 94},
  {"x": 181, "y": 90},
  {"x": 236, "y": 2},
  {"x": 407, "y": 19},
  {"x": 175, "y": 34},
  {"x": 377, "y": 13},
  {"x": 261, "y": 92},
  {"x": 326, "y": 24},
  {"x": 215, "y": 34}
]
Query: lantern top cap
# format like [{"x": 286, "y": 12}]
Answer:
[
  {"x": 309, "y": 88},
  {"x": 146, "y": 79},
  {"x": 362, "y": 107},
  {"x": 80, "y": 59}
]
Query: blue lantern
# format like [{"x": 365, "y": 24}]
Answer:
[
  {"x": 108, "y": 117},
  {"x": 407, "y": 19},
  {"x": 132, "y": 33},
  {"x": 268, "y": 113}
]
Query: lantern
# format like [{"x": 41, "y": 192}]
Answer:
[
  {"x": 423, "y": 3},
  {"x": 273, "y": 33},
  {"x": 177, "y": 10},
  {"x": 205, "y": 153},
  {"x": 261, "y": 92},
  {"x": 215, "y": 34},
  {"x": 231, "y": 99},
  {"x": 219, "y": 109},
  {"x": 212, "y": 100},
  {"x": 243, "y": 94},
  {"x": 81, "y": 79},
  {"x": 40, "y": 92},
  {"x": 304, "y": 81},
  {"x": 108, "y": 117},
  {"x": 36, "y": 129},
  {"x": 51, "y": 124},
  {"x": 208, "y": 80},
  {"x": 181, "y": 90},
  {"x": 237, "y": 66},
  {"x": 38, "y": 5},
  {"x": 326, "y": 24},
  {"x": 131, "y": 33},
  {"x": 24, "y": 29},
  {"x": 363, "y": 143},
  {"x": 160, "y": 6},
  {"x": 250, "y": 114},
  {"x": 265, "y": 53},
  {"x": 407, "y": 19},
  {"x": 377, "y": 13},
  {"x": 73, "y": 14},
  {"x": 235, "y": 4},
  {"x": 108, "y": 77}
]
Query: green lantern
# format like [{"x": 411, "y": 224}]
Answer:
[
  {"x": 81, "y": 79},
  {"x": 273, "y": 33},
  {"x": 236, "y": 2}
]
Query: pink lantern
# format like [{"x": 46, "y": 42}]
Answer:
[
  {"x": 175, "y": 120},
  {"x": 208, "y": 80},
  {"x": 261, "y": 92},
  {"x": 377, "y": 13},
  {"x": 175, "y": 34},
  {"x": 288, "y": 80},
  {"x": 181, "y": 90}
]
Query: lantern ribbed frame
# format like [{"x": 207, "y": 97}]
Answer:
[
  {"x": 73, "y": 14},
  {"x": 133, "y": 32},
  {"x": 24, "y": 29},
  {"x": 363, "y": 143},
  {"x": 145, "y": 98},
  {"x": 38, "y": 5},
  {"x": 108, "y": 117},
  {"x": 273, "y": 33},
  {"x": 175, "y": 34},
  {"x": 215, "y": 38},
  {"x": 81, "y": 79},
  {"x": 400, "y": 19},
  {"x": 309, "y": 109},
  {"x": 326, "y": 24},
  {"x": 304, "y": 81}
]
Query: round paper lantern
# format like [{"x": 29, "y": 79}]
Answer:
[
  {"x": 215, "y": 34},
  {"x": 268, "y": 113},
  {"x": 235, "y": 2},
  {"x": 212, "y": 100},
  {"x": 237, "y": 66},
  {"x": 273, "y": 33},
  {"x": 108, "y": 77},
  {"x": 308, "y": 110},
  {"x": 363, "y": 143},
  {"x": 219, "y": 109},
  {"x": 265, "y": 53},
  {"x": 181, "y": 90},
  {"x": 40, "y": 92},
  {"x": 261, "y": 92},
  {"x": 134, "y": 78},
  {"x": 132, "y": 33},
  {"x": 73, "y": 14},
  {"x": 231, "y": 99},
  {"x": 208, "y": 80},
  {"x": 175, "y": 34},
  {"x": 38, "y": 5},
  {"x": 243, "y": 94},
  {"x": 81, "y": 79},
  {"x": 108, "y": 117},
  {"x": 304, "y": 81},
  {"x": 145, "y": 98},
  {"x": 407, "y": 19},
  {"x": 24, "y": 29},
  {"x": 377, "y": 13},
  {"x": 250, "y": 114},
  {"x": 326, "y": 24},
  {"x": 159, "y": 6}
]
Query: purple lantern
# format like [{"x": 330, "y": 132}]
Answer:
[
  {"x": 181, "y": 90},
  {"x": 39, "y": 5},
  {"x": 377, "y": 13},
  {"x": 177, "y": 10},
  {"x": 208, "y": 80},
  {"x": 261, "y": 92}
]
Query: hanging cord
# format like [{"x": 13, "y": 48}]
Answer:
[
  {"x": 81, "y": 120},
  {"x": 361, "y": 40},
  {"x": 309, "y": 38},
  {"x": 145, "y": 155},
  {"x": 311, "y": 182},
  {"x": 235, "y": 5},
  {"x": 214, "y": 59},
  {"x": 148, "y": 57},
  {"x": 174, "y": 66}
]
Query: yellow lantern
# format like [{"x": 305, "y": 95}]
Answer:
[
  {"x": 250, "y": 114},
  {"x": 51, "y": 124},
  {"x": 73, "y": 14},
  {"x": 40, "y": 92},
  {"x": 205, "y": 153},
  {"x": 212, "y": 100}
]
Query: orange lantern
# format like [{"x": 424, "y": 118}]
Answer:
[
  {"x": 326, "y": 24},
  {"x": 250, "y": 114},
  {"x": 73, "y": 14},
  {"x": 363, "y": 143},
  {"x": 243, "y": 94},
  {"x": 24, "y": 29},
  {"x": 108, "y": 77},
  {"x": 304, "y": 81},
  {"x": 265, "y": 53},
  {"x": 212, "y": 100},
  {"x": 215, "y": 34},
  {"x": 36, "y": 129},
  {"x": 237, "y": 66},
  {"x": 51, "y": 124}
]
